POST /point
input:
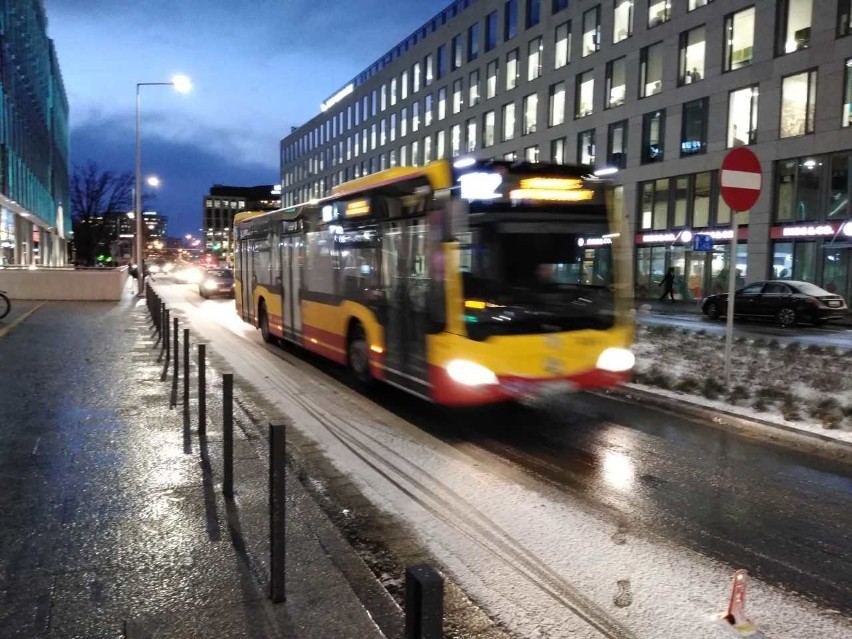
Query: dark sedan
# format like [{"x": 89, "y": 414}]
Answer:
[
  {"x": 787, "y": 301},
  {"x": 217, "y": 281}
]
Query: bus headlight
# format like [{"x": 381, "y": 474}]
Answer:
[
  {"x": 616, "y": 360},
  {"x": 470, "y": 373}
]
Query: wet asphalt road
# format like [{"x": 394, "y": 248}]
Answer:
[
  {"x": 783, "y": 515},
  {"x": 831, "y": 334}
]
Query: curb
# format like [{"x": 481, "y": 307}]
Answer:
[{"x": 751, "y": 428}]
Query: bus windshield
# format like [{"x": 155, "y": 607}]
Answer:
[{"x": 529, "y": 278}]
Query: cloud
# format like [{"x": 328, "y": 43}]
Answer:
[{"x": 186, "y": 169}]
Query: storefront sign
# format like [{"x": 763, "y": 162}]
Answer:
[
  {"x": 830, "y": 229},
  {"x": 685, "y": 236},
  {"x": 657, "y": 238},
  {"x": 592, "y": 242}
]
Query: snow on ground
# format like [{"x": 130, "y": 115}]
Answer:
[
  {"x": 807, "y": 388},
  {"x": 536, "y": 559}
]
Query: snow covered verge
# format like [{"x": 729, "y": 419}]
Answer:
[{"x": 808, "y": 388}]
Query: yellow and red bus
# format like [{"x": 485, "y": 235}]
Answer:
[{"x": 465, "y": 283}]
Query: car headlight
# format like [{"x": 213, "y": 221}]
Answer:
[
  {"x": 616, "y": 360},
  {"x": 470, "y": 373},
  {"x": 209, "y": 285}
]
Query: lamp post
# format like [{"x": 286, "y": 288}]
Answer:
[{"x": 181, "y": 84}]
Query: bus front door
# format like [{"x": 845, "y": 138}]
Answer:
[{"x": 246, "y": 281}]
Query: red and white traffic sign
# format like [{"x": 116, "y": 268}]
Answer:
[{"x": 741, "y": 179}]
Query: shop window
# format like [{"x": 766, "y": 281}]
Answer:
[
  {"x": 510, "y": 25},
  {"x": 591, "y": 31},
  {"x": 846, "y": 118},
  {"x": 512, "y": 70},
  {"x": 653, "y": 136},
  {"x": 557, "y": 151},
  {"x": 838, "y": 197},
  {"x": 798, "y": 100},
  {"x": 835, "y": 270},
  {"x": 794, "y": 25},
  {"x": 488, "y": 128},
  {"x": 693, "y": 140},
  {"x": 719, "y": 269},
  {"x": 556, "y": 106},
  {"x": 701, "y": 200},
  {"x": 661, "y": 204},
  {"x": 530, "y": 113},
  {"x": 533, "y": 13},
  {"x": 585, "y": 92},
  {"x": 651, "y": 70},
  {"x": 782, "y": 260},
  {"x": 646, "y": 204},
  {"x": 616, "y": 82},
  {"x": 681, "y": 198},
  {"x": 491, "y": 31},
  {"x": 739, "y": 39},
  {"x": 807, "y": 189},
  {"x": 805, "y": 261},
  {"x": 844, "y": 17},
  {"x": 586, "y": 147},
  {"x": 534, "y": 49},
  {"x": 622, "y": 26},
  {"x": 562, "y": 48},
  {"x": 785, "y": 189},
  {"x": 491, "y": 79},
  {"x": 616, "y": 155},
  {"x": 659, "y": 11},
  {"x": 508, "y": 121},
  {"x": 692, "y": 48},
  {"x": 742, "y": 116}
]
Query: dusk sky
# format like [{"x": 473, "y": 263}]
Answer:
[{"x": 257, "y": 67}]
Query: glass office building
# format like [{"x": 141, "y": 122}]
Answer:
[
  {"x": 659, "y": 89},
  {"x": 35, "y": 223}
]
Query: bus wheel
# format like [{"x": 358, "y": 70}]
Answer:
[
  {"x": 264, "y": 325},
  {"x": 359, "y": 356}
]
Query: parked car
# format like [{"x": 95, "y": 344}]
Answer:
[
  {"x": 787, "y": 301},
  {"x": 217, "y": 281}
]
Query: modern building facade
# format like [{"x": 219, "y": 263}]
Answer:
[
  {"x": 223, "y": 203},
  {"x": 660, "y": 89},
  {"x": 35, "y": 222}
]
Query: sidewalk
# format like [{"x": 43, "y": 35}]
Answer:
[
  {"x": 114, "y": 524},
  {"x": 20, "y": 311}
]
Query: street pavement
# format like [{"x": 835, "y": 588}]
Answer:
[{"x": 113, "y": 522}]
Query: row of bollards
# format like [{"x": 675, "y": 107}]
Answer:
[{"x": 424, "y": 587}]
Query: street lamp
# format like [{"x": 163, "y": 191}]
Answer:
[{"x": 182, "y": 84}]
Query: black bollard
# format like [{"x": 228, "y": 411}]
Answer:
[
  {"x": 166, "y": 333},
  {"x": 277, "y": 511},
  {"x": 186, "y": 370},
  {"x": 424, "y": 603},
  {"x": 202, "y": 389},
  {"x": 228, "y": 434},
  {"x": 175, "y": 328}
]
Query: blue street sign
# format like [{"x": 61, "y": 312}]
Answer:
[{"x": 702, "y": 242}]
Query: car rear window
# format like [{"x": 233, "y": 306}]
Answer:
[{"x": 811, "y": 289}]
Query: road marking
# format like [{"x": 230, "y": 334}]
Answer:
[{"x": 8, "y": 329}]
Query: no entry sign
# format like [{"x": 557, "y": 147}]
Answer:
[{"x": 741, "y": 179}]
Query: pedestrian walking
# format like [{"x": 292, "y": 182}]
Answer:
[{"x": 668, "y": 284}]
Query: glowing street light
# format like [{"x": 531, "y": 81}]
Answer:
[{"x": 181, "y": 84}]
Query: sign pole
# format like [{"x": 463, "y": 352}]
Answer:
[
  {"x": 732, "y": 287},
  {"x": 740, "y": 180}
]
